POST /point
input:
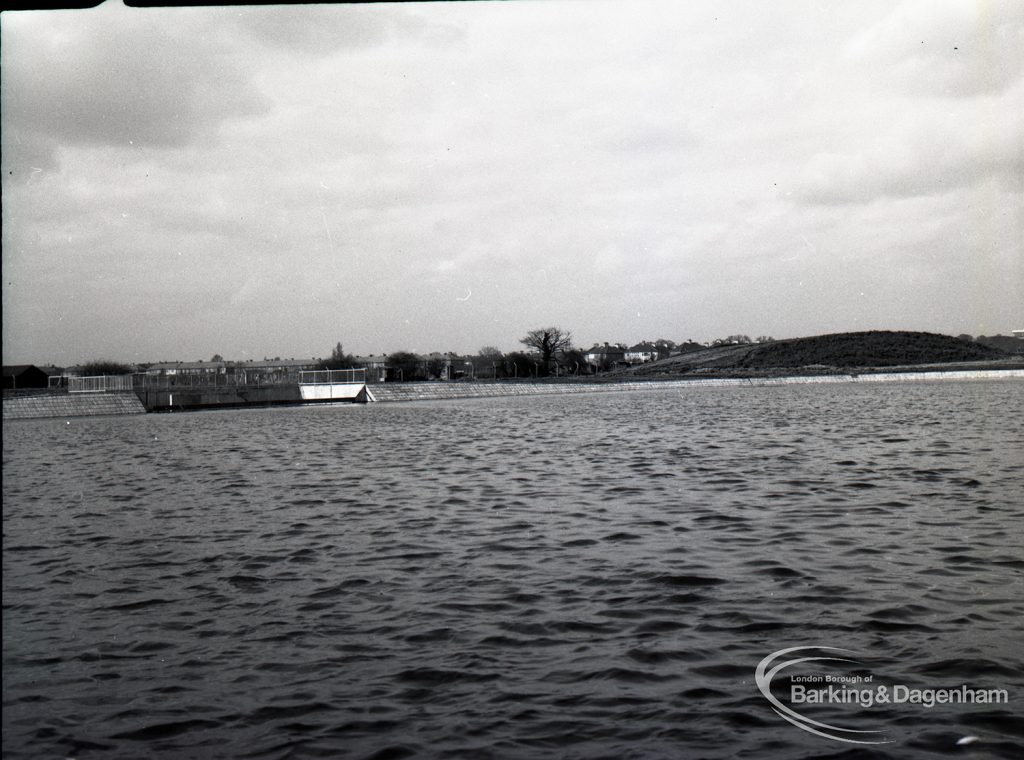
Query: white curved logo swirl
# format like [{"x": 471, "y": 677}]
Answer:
[{"x": 764, "y": 676}]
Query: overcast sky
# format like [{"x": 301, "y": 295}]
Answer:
[{"x": 268, "y": 181}]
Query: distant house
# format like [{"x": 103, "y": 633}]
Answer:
[
  {"x": 1018, "y": 334},
  {"x": 605, "y": 356},
  {"x": 25, "y": 376},
  {"x": 491, "y": 366},
  {"x": 460, "y": 366},
  {"x": 281, "y": 365},
  {"x": 187, "y": 368},
  {"x": 645, "y": 352},
  {"x": 436, "y": 365},
  {"x": 403, "y": 366},
  {"x": 688, "y": 346},
  {"x": 375, "y": 366},
  {"x": 447, "y": 366},
  {"x": 55, "y": 376}
]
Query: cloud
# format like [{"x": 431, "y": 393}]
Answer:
[
  {"x": 326, "y": 30},
  {"x": 932, "y": 147},
  {"x": 943, "y": 47},
  {"x": 116, "y": 76},
  {"x": 273, "y": 180}
]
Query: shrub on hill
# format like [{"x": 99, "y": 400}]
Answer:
[
  {"x": 1007, "y": 343},
  {"x": 867, "y": 349}
]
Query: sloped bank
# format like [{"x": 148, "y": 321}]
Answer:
[
  {"x": 440, "y": 391},
  {"x": 71, "y": 405}
]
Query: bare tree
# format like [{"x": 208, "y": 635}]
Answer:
[{"x": 548, "y": 341}]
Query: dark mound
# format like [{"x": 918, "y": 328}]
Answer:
[{"x": 876, "y": 348}]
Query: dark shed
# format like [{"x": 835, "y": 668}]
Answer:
[{"x": 24, "y": 376}]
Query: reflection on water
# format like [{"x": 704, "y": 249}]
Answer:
[{"x": 570, "y": 577}]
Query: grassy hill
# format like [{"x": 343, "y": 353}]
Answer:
[
  {"x": 868, "y": 349},
  {"x": 857, "y": 350}
]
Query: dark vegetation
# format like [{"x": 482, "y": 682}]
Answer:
[
  {"x": 867, "y": 349},
  {"x": 405, "y": 366},
  {"x": 689, "y": 347},
  {"x": 824, "y": 353},
  {"x": 104, "y": 367},
  {"x": 547, "y": 341},
  {"x": 1007, "y": 343},
  {"x": 339, "y": 359}
]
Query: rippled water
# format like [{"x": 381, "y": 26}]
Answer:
[{"x": 546, "y": 577}]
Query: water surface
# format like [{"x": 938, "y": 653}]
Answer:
[{"x": 547, "y": 577}]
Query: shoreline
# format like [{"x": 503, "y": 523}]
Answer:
[
  {"x": 49, "y": 405},
  {"x": 437, "y": 391}
]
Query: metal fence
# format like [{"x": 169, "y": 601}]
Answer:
[
  {"x": 246, "y": 378},
  {"x": 332, "y": 376},
  {"x": 163, "y": 381},
  {"x": 100, "y": 384},
  {"x": 249, "y": 378}
]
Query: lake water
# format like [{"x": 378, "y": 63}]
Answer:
[{"x": 588, "y": 576}]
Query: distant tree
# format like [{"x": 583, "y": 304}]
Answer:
[
  {"x": 1006, "y": 343},
  {"x": 548, "y": 341},
  {"x": 104, "y": 367},
  {"x": 339, "y": 359},
  {"x": 965, "y": 338},
  {"x": 405, "y": 366},
  {"x": 435, "y": 367},
  {"x": 765, "y": 339},
  {"x": 572, "y": 360},
  {"x": 689, "y": 345},
  {"x": 488, "y": 362},
  {"x": 519, "y": 364},
  {"x": 732, "y": 340},
  {"x": 217, "y": 358}
]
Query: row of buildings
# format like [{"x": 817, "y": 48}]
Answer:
[
  {"x": 603, "y": 356},
  {"x": 378, "y": 367}
]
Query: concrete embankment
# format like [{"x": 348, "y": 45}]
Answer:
[
  {"x": 440, "y": 391},
  {"x": 71, "y": 405},
  {"x": 187, "y": 398},
  {"x": 437, "y": 390},
  {"x": 93, "y": 404}
]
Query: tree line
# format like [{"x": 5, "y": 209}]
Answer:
[{"x": 552, "y": 347}]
